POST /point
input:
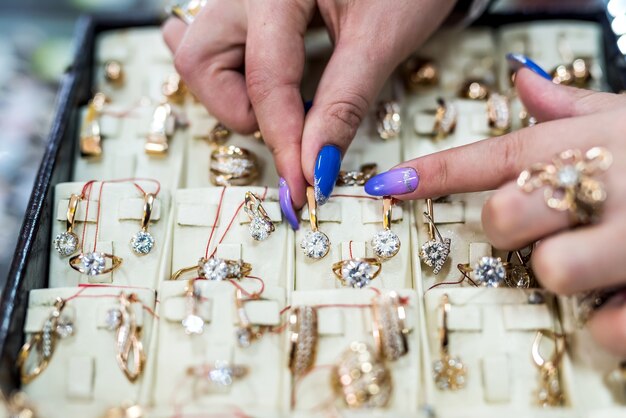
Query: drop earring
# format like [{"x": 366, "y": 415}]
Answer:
[
  {"x": 315, "y": 243},
  {"x": 449, "y": 372},
  {"x": 435, "y": 251},
  {"x": 386, "y": 243}
]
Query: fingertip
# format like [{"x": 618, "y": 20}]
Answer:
[{"x": 173, "y": 31}]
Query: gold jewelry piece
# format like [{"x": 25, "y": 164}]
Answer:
[
  {"x": 361, "y": 379},
  {"x": 174, "y": 89},
  {"x": 218, "y": 135},
  {"x": 43, "y": 343},
  {"x": 17, "y": 405},
  {"x": 303, "y": 337},
  {"x": 570, "y": 183},
  {"x": 126, "y": 411},
  {"x": 90, "y": 137},
  {"x": 258, "y": 135},
  {"x": 357, "y": 177},
  {"x": 445, "y": 120},
  {"x": 474, "y": 89},
  {"x": 488, "y": 271},
  {"x": 143, "y": 242},
  {"x": 261, "y": 226},
  {"x": 217, "y": 269},
  {"x": 114, "y": 73},
  {"x": 577, "y": 73},
  {"x": 550, "y": 392},
  {"x": 187, "y": 10},
  {"x": 449, "y": 372},
  {"x": 315, "y": 243},
  {"x": 435, "y": 251},
  {"x": 527, "y": 119},
  {"x": 233, "y": 166},
  {"x": 386, "y": 243},
  {"x": 130, "y": 356},
  {"x": 420, "y": 72},
  {"x": 389, "y": 329},
  {"x": 520, "y": 274},
  {"x": 95, "y": 263},
  {"x": 357, "y": 272},
  {"x": 246, "y": 333},
  {"x": 66, "y": 243},
  {"x": 499, "y": 114},
  {"x": 389, "y": 121},
  {"x": 156, "y": 144},
  {"x": 219, "y": 376},
  {"x": 193, "y": 323}
]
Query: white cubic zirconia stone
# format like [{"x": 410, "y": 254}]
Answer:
[
  {"x": 66, "y": 243},
  {"x": 357, "y": 273},
  {"x": 193, "y": 324},
  {"x": 315, "y": 244},
  {"x": 221, "y": 374},
  {"x": 259, "y": 228},
  {"x": 142, "y": 242},
  {"x": 215, "y": 269},
  {"x": 490, "y": 272},
  {"x": 93, "y": 263},
  {"x": 113, "y": 319},
  {"x": 65, "y": 327},
  {"x": 568, "y": 176},
  {"x": 386, "y": 243}
]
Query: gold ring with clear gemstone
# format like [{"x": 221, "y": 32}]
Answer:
[
  {"x": 357, "y": 177},
  {"x": 217, "y": 269},
  {"x": 357, "y": 272},
  {"x": 187, "y": 11},
  {"x": 303, "y": 338},
  {"x": 570, "y": 183},
  {"x": 498, "y": 114},
  {"x": 233, "y": 166},
  {"x": 389, "y": 121},
  {"x": 95, "y": 263},
  {"x": 390, "y": 332},
  {"x": 445, "y": 119}
]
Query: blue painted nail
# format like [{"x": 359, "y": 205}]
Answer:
[
  {"x": 284, "y": 197},
  {"x": 307, "y": 106},
  {"x": 517, "y": 61},
  {"x": 326, "y": 171}
]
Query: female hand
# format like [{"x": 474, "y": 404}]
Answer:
[
  {"x": 371, "y": 38},
  {"x": 566, "y": 260}
]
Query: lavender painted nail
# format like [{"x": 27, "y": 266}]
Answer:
[
  {"x": 393, "y": 182},
  {"x": 284, "y": 198}
]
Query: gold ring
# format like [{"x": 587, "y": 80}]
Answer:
[
  {"x": 570, "y": 184},
  {"x": 420, "y": 72},
  {"x": 488, "y": 271},
  {"x": 357, "y": 177},
  {"x": 361, "y": 378},
  {"x": 220, "y": 374},
  {"x": 95, "y": 263},
  {"x": 474, "y": 89},
  {"x": 389, "y": 121},
  {"x": 390, "y": 332},
  {"x": 499, "y": 114},
  {"x": 357, "y": 272},
  {"x": 303, "y": 338},
  {"x": 174, "y": 89},
  {"x": 217, "y": 269},
  {"x": 187, "y": 11},
  {"x": 445, "y": 119},
  {"x": 233, "y": 166}
]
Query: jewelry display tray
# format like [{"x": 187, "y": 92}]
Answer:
[{"x": 29, "y": 269}]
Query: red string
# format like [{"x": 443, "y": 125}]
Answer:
[
  {"x": 245, "y": 292},
  {"x": 95, "y": 238},
  {"x": 463, "y": 277},
  {"x": 87, "y": 186},
  {"x": 350, "y": 247},
  {"x": 217, "y": 214},
  {"x": 87, "y": 286}
]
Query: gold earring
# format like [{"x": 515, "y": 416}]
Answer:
[
  {"x": 66, "y": 243},
  {"x": 315, "y": 243},
  {"x": 90, "y": 136},
  {"x": 550, "y": 392},
  {"x": 143, "y": 242},
  {"x": 449, "y": 372},
  {"x": 114, "y": 73},
  {"x": 246, "y": 333},
  {"x": 435, "y": 251},
  {"x": 261, "y": 226},
  {"x": 130, "y": 356},
  {"x": 193, "y": 323},
  {"x": 386, "y": 243}
]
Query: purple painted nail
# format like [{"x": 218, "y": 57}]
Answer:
[
  {"x": 284, "y": 197},
  {"x": 393, "y": 182}
]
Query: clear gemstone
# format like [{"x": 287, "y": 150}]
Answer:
[
  {"x": 498, "y": 109},
  {"x": 244, "y": 337},
  {"x": 193, "y": 324},
  {"x": 66, "y": 243},
  {"x": 568, "y": 176},
  {"x": 65, "y": 327},
  {"x": 93, "y": 263},
  {"x": 449, "y": 373},
  {"x": 221, "y": 374},
  {"x": 357, "y": 273},
  {"x": 386, "y": 243},
  {"x": 435, "y": 253},
  {"x": 215, "y": 269},
  {"x": 113, "y": 319},
  {"x": 448, "y": 119},
  {"x": 490, "y": 272},
  {"x": 142, "y": 242},
  {"x": 260, "y": 228},
  {"x": 315, "y": 244}
]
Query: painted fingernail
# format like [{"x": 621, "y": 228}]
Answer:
[
  {"x": 284, "y": 198},
  {"x": 517, "y": 61},
  {"x": 393, "y": 182},
  {"x": 326, "y": 171}
]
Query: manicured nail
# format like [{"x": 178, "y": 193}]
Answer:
[
  {"x": 307, "y": 106},
  {"x": 393, "y": 182},
  {"x": 326, "y": 171},
  {"x": 284, "y": 198},
  {"x": 517, "y": 61}
]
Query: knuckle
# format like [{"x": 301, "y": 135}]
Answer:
[
  {"x": 441, "y": 171},
  {"x": 499, "y": 220},
  {"x": 259, "y": 84},
  {"x": 510, "y": 149},
  {"x": 344, "y": 116}
]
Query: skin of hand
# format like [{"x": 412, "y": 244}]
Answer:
[
  {"x": 565, "y": 260},
  {"x": 244, "y": 59}
]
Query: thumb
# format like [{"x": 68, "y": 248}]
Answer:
[
  {"x": 546, "y": 100},
  {"x": 350, "y": 82}
]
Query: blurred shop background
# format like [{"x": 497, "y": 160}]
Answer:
[{"x": 35, "y": 49}]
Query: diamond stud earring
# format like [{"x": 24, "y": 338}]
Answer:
[
  {"x": 261, "y": 226},
  {"x": 315, "y": 243},
  {"x": 386, "y": 243},
  {"x": 66, "y": 243},
  {"x": 143, "y": 242},
  {"x": 193, "y": 323},
  {"x": 449, "y": 372},
  {"x": 435, "y": 251}
]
